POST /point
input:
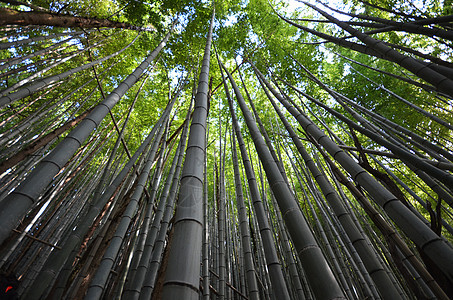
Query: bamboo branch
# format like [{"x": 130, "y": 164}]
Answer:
[
  {"x": 229, "y": 285},
  {"x": 36, "y": 239}
]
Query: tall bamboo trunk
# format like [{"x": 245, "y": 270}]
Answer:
[
  {"x": 182, "y": 277},
  {"x": 243, "y": 226}
]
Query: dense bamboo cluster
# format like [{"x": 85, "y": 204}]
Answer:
[{"x": 266, "y": 187}]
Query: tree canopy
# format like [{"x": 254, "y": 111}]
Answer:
[{"x": 231, "y": 149}]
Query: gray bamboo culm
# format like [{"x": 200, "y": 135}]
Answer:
[
  {"x": 167, "y": 194},
  {"x": 438, "y": 80},
  {"x": 182, "y": 277},
  {"x": 138, "y": 251},
  {"x": 252, "y": 285},
  {"x": 372, "y": 132},
  {"x": 148, "y": 279},
  {"x": 19, "y": 59},
  {"x": 206, "y": 238}
]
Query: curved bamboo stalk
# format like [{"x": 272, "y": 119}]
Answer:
[
  {"x": 426, "y": 87},
  {"x": 438, "y": 80},
  {"x": 412, "y": 27},
  {"x": 41, "y": 142},
  {"x": 414, "y": 162},
  {"x": 24, "y": 81},
  {"x": 36, "y": 64},
  {"x": 424, "y": 204},
  {"x": 398, "y": 13},
  {"x": 384, "y": 226},
  {"x": 440, "y": 75},
  {"x": 420, "y": 167},
  {"x": 410, "y": 104},
  {"x": 437, "y": 149},
  {"x": 30, "y": 122},
  {"x": 66, "y": 97}
]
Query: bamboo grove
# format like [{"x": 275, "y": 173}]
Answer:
[{"x": 229, "y": 150}]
